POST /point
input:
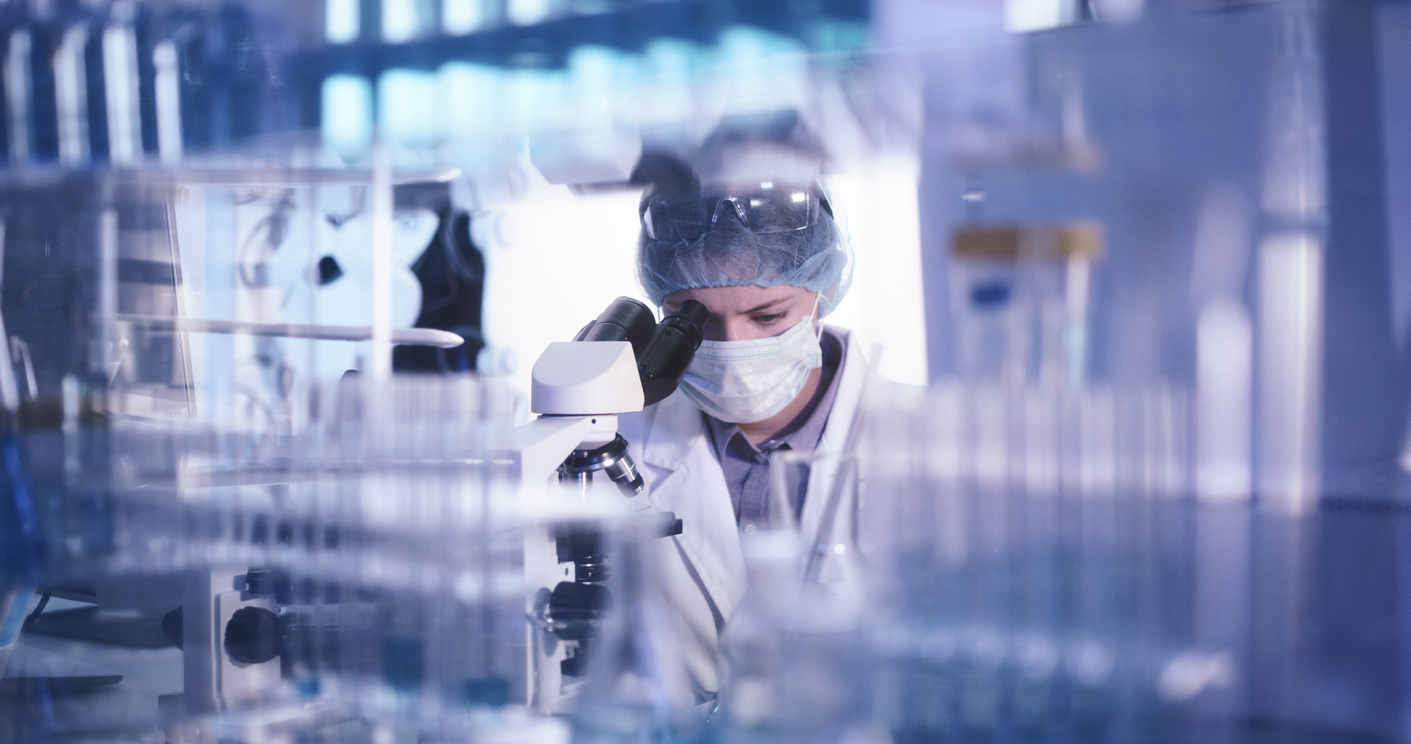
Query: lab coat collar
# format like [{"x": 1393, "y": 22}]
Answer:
[
  {"x": 692, "y": 486},
  {"x": 835, "y": 436}
]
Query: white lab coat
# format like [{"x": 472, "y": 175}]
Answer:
[{"x": 702, "y": 570}]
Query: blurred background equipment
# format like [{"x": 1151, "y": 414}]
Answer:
[{"x": 273, "y": 276}]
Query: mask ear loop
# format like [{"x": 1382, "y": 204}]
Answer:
[{"x": 817, "y": 298}]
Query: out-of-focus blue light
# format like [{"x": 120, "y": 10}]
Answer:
[
  {"x": 1036, "y": 15},
  {"x": 406, "y": 110},
  {"x": 764, "y": 71},
  {"x": 469, "y": 96},
  {"x": 341, "y": 23},
  {"x": 347, "y": 115},
  {"x": 535, "y": 96},
  {"x": 527, "y": 12},
  {"x": 602, "y": 79},
  {"x": 404, "y": 20},
  {"x": 462, "y": 16}
]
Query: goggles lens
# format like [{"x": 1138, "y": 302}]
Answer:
[{"x": 769, "y": 210}]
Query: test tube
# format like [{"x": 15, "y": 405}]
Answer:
[
  {"x": 71, "y": 94},
  {"x": 17, "y": 94},
  {"x": 120, "y": 77}
]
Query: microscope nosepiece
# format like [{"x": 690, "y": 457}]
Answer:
[{"x": 612, "y": 459}]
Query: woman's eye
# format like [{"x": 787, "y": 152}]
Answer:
[{"x": 767, "y": 319}]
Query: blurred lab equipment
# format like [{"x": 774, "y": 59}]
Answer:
[
  {"x": 637, "y": 683},
  {"x": 452, "y": 274},
  {"x": 382, "y": 535},
  {"x": 1153, "y": 495},
  {"x": 796, "y": 652},
  {"x": 1039, "y": 565},
  {"x": 620, "y": 362},
  {"x": 1023, "y": 296}
]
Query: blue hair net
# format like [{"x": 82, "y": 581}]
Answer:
[{"x": 735, "y": 159}]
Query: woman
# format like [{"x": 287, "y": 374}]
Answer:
[{"x": 744, "y": 226}]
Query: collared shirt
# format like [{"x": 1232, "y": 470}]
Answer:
[{"x": 746, "y": 465}]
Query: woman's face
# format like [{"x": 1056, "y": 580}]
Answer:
[{"x": 744, "y": 313}]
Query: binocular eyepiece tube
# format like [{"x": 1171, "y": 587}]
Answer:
[{"x": 663, "y": 350}]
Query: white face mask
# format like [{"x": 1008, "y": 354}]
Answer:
[{"x": 743, "y": 382}]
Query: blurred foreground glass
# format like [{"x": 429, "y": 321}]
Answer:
[
  {"x": 796, "y": 653},
  {"x": 1034, "y": 565},
  {"x": 374, "y": 530},
  {"x": 638, "y": 686}
]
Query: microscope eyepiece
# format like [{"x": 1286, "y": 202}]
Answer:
[
  {"x": 663, "y": 350},
  {"x": 668, "y": 353},
  {"x": 625, "y": 319},
  {"x": 690, "y": 317}
]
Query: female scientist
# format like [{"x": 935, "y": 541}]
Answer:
[{"x": 743, "y": 226}]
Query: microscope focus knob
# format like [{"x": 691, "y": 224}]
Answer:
[
  {"x": 254, "y": 635},
  {"x": 575, "y": 610}
]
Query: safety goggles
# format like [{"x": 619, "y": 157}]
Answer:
[{"x": 769, "y": 209}]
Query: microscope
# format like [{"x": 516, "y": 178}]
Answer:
[
  {"x": 619, "y": 363},
  {"x": 233, "y": 620}
]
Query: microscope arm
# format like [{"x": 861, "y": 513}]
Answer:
[{"x": 540, "y": 446}]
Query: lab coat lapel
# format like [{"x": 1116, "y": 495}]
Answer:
[
  {"x": 693, "y": 486},
  {"x": 835, "y": 435}
]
